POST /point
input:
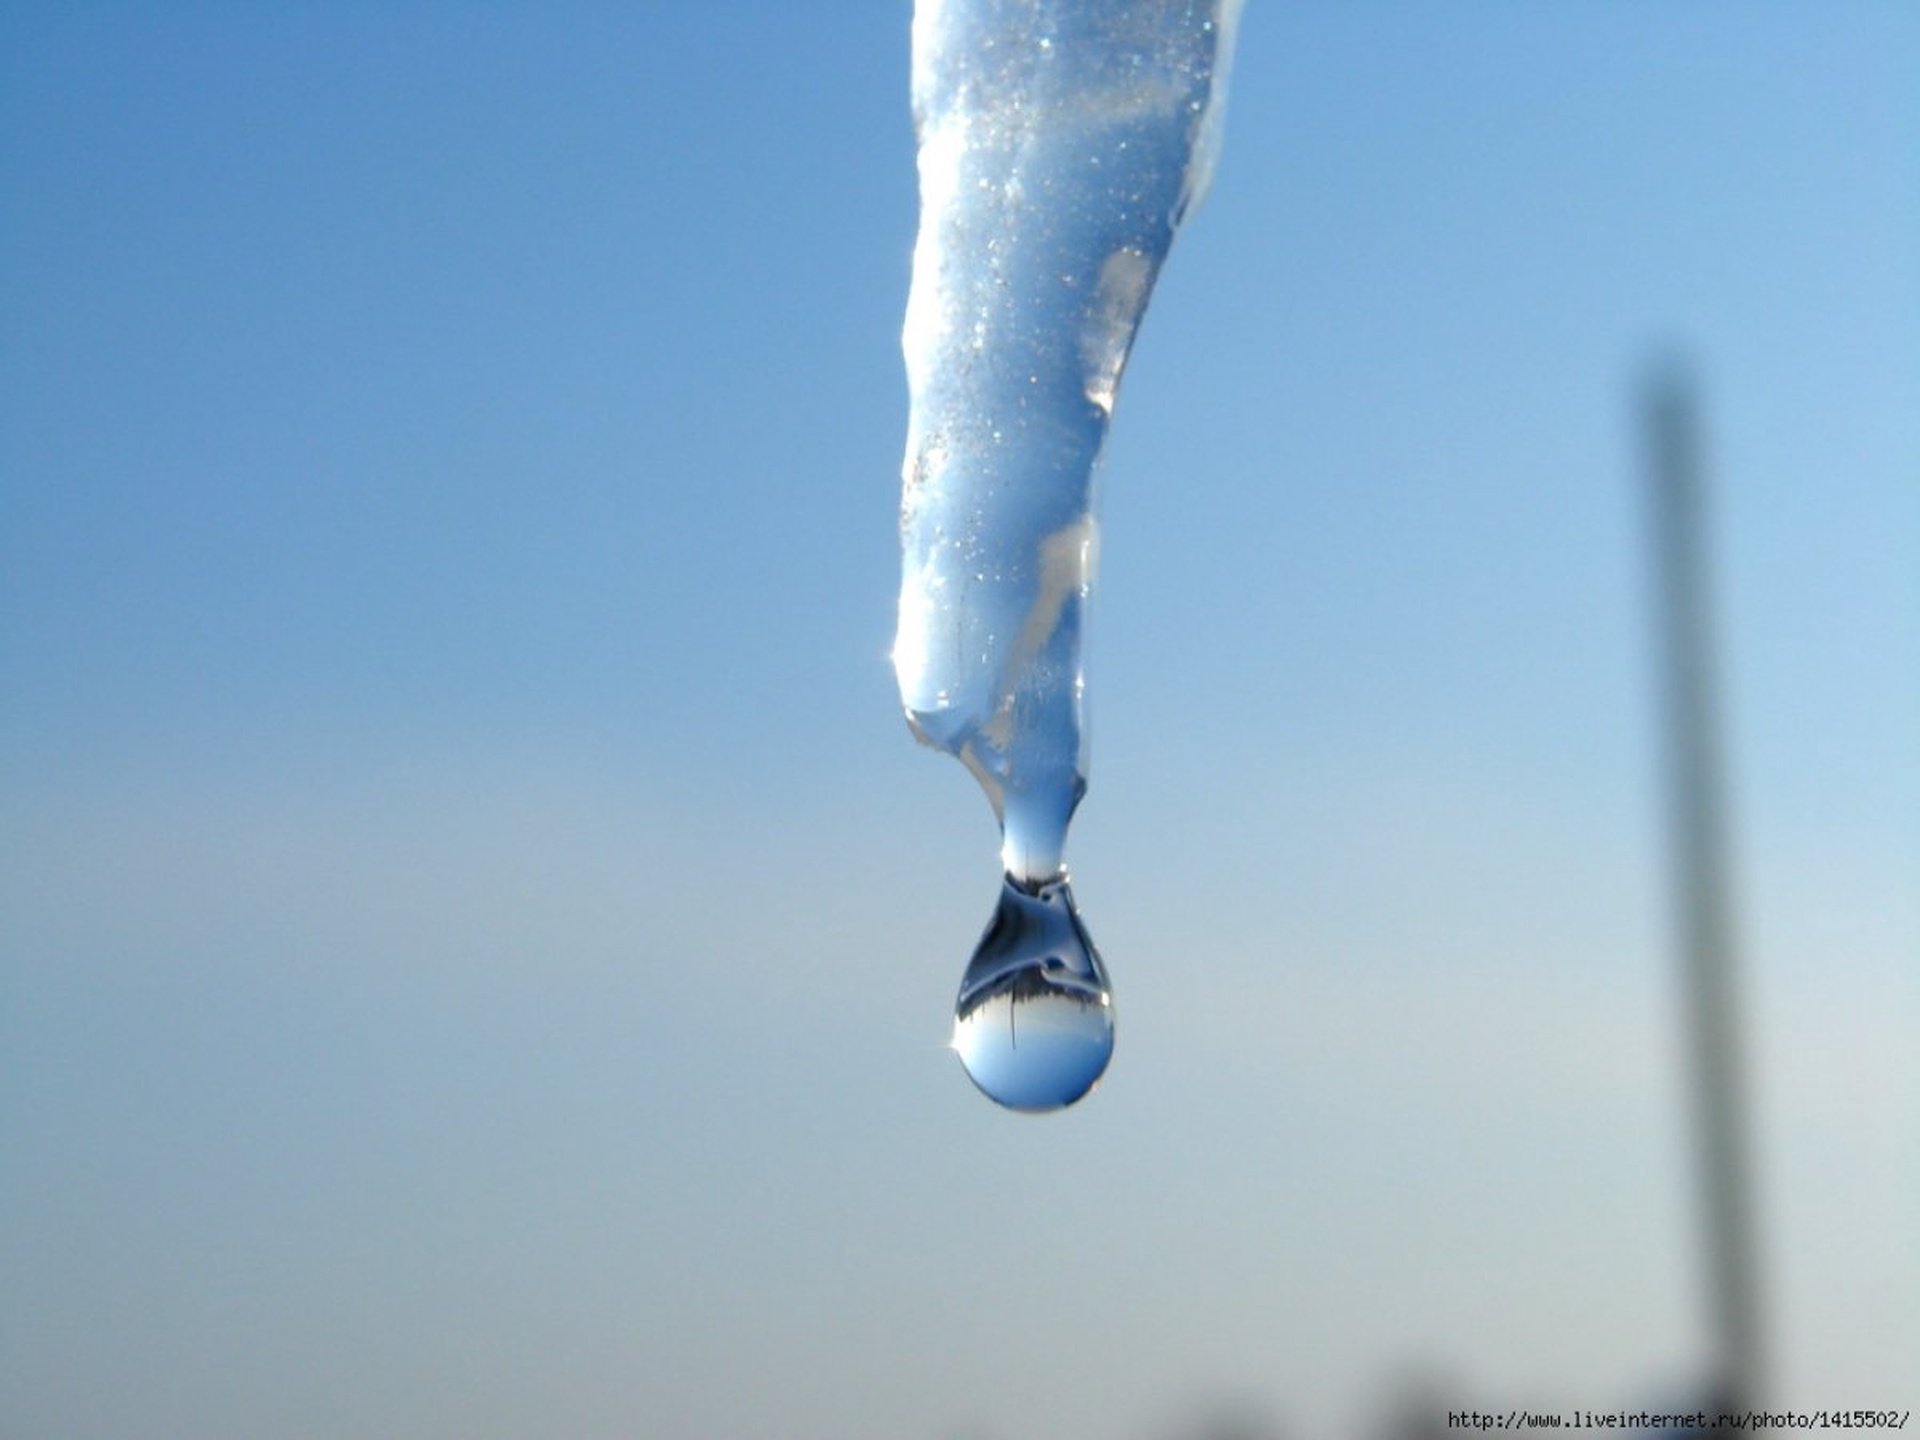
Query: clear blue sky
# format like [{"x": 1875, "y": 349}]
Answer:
[{"x": 476, "y": 939}]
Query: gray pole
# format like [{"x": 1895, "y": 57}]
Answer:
[{"x": 1694, "y": 784}]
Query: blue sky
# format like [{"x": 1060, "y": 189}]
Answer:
[{"x": 476, "y": 938}]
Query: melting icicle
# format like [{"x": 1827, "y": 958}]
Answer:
[{"x": 1061, "y": 142}]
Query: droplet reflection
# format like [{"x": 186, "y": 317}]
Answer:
[{"x": 1034, "y": 1021}]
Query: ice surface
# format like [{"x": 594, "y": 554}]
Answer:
[{"x": 1061, "y": 142}]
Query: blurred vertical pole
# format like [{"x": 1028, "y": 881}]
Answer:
[{"x": 1694, "y": 785}]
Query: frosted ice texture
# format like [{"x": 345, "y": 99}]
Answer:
[{"x": 1061, "y": 142}]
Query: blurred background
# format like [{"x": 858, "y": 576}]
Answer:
[{"x": 477, "y": 942}]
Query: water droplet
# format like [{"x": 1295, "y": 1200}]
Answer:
[{"x": 1034, "y": 1021}]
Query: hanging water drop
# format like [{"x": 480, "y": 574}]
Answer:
[{"x": 1034, "y": 1021}]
